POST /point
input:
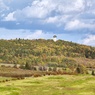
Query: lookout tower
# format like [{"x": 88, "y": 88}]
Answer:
[{"x": 54, "y": 38}]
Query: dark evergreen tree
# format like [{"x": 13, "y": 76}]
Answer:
[{"x": 27, "y": 66}]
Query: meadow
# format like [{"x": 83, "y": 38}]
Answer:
[{"x": 50, "y": 85}]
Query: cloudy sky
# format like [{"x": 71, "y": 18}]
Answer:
[{"x": 71, "y": 20}]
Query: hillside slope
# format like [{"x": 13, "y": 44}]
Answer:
[{"x": 38, "y": 52}]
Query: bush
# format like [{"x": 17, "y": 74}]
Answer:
[
  {"x": 50, "y": 69},
  {"x": 93, "y": 72},
  {"x": 81, "y": 69},
  {"x": 27, "y": 66},
  {"x": 55, "y": 69}
]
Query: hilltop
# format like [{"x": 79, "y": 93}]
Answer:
[{"x": 40, "y": 51}]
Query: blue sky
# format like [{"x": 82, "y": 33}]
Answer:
[{"x": 70, "y": 20}]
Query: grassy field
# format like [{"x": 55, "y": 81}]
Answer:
[{"x": 50, "y": 85}]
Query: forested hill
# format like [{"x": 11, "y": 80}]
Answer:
[{"x": 43, "y": 51}]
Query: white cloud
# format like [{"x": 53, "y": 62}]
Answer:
[
  {"x": 39, "y": 34},
  {"x": 47, "y": 8},
  {"x": 59, "y": 12},
  {"x": 57, "y": 19},
  {"x": 35, "y": 35},
  {"x": 71, "y": 7},
  {"x": 52, "y": 19},
  {"x": 77, "y": 24},
  {"x": 2, "y": 15},
  {"x": 38, "y": 9},
  {"x": 79, "y": 5},
  {"x": 3, "y": 6},
  {"x": 68, "y": 13},
  {"x": 10, "y": 17},
  {"x": 43, "y": 8},
  {"x": 89, "y": 40}
]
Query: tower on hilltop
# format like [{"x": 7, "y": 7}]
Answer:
[{"x": 54, "y": 38}]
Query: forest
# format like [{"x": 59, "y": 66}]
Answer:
[{"x": 41, "y": 52}]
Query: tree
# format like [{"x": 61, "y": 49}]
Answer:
[
  {"x": 81, "y": 69},
  {"x": 27, "y": 66},
  {"x": 93, "y": 72}
]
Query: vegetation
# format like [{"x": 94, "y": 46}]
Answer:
[
  {"x": 23, "y": 73},
  {"x": 42, "y": 51},
  {"x": 51, "y": 85},
  {"x": 30, "y": 53},
  {"x": 20, "y": 59}
]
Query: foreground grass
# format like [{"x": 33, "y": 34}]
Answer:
[
  {"x": 4, "y": 78},
  {"x": 51, "y": 85}
]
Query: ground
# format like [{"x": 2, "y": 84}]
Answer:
[{"x": 50, "y": 85}]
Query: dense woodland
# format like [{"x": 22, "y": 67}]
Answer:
[{"x": 44, "y": 52}]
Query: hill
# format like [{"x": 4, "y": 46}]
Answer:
[{"x": 46, "y": 52}]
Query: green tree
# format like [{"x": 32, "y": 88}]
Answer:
[{"x": 27, "y": 66}]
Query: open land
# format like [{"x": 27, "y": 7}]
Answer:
[{"x": 50, "y": 85}]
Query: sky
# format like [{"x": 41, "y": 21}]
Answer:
[{"x": 70, "y": 20}]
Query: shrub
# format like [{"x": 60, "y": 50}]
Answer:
[
  {"x": 55, "y": 69},
  {"x": 81, "y": 69},
  {"x": 93, "y": 72},
  {"x": 27, "y": 66},
  {"x": 50, "y": 69}
]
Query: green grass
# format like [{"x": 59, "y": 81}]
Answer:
[
  {"x": 51, "y": 85},
  {"x": 4, "y": 78},
  {"x": 1, "y": 78}
]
